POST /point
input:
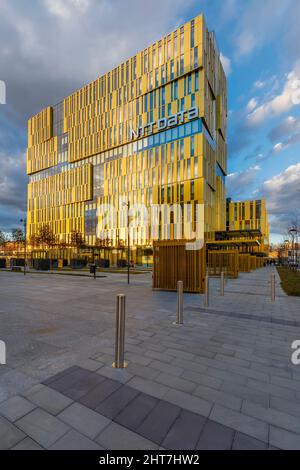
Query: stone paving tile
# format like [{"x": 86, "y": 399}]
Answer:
[
  {"x": 222, "y": 398},
  {"x": 99, "y": 393},
  {"x": 89, "y": 364},
  {"x": 83, "y": 386},
  {"x": 32, "y": 390},
  {"x": 73, "y": 440},
  {"x": 117, "y": 401},
  {"x": 227, "y": 375},
  {"x": 191, "y": 366},
  {"x": 50, "y": 400},
  {"x": 84, "y": 420},
  {"x": 42, "y": 427},
  {"x": 159, "y": 421},
  {"x": 138, "y": 359},
  {"x": 15, "y": 407},
  {"x": 162, "y": 357},
  {"x": 120, "y": 375},
  {"x": 251, "y": 355},
  {"x": 243, "y": 442},
  {"x": 180, "y": 354},
  {"x": 60, "y": 374},
  {"x": 289, "y": 407},
  {"x": 185, "y": 432},
  {"x": 27, "y": 444},
  {"x": 247, "y": 316},
  {"x": 116, "y": 437},
  {"x": 68, "y": 380},
  {"x": 137, "y": 410},
  {"x": 147, "y": 386},
  {"x": 175, "y": 382},
  {"x": 271, "y": 416},
  {"x": 202, "y": 379},
  {"x": 215, "y": 437},
  {"x": 10, "y": 435},
  {"x": 272, "y": 389},
  {"x": 283, "y": 439},
  {"x": 246, "y": 393},
  {"x": 14, "y": 382},
  {"x": 283, "y": 382},
  {"x": 189, "y": 402},
  {"x": 240, "y": 422},
  {"x": 142, "y": 371},
  {"x": 168, "y": 368}
]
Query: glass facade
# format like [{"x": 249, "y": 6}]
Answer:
[
  {"x": 250, "y": 215},
  {"x": 130, "y": 136}
]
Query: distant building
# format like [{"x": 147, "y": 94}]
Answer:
[{"x": 249, "y": 215}]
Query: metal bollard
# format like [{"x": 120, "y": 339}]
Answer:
[
  {"x": 272, "y": 287},
  {"x": 179, "y": 320},
  {"x": 120, "y": 333},
  {"x": 222, "y": 283},
  {"x": 206, "y": 292}
]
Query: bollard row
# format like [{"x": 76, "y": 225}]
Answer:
[
  {"x": 179, "y": 320},
  {"x": 206, "y": 291},
  {"x": 272, "y": 287},
  {"x": 120, "y": 333}
]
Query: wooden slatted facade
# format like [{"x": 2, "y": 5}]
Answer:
[
  {"x": 223, "y": 260},
  {"x": 172, "y": 262},
  {"x": 244, "y": 263}
]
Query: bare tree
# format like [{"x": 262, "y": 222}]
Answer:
[
  {"x": 293, "y": 231},
  {"x": 3, "y": 238},
  {"x": 46, "y": 237},
  {"x": 17, "y": 235},
  {"x": 77, "y": 240}
]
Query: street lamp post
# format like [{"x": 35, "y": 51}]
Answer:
[
  {"x": 293, "y": 232},
  {"x": 24, "y": 224},
  {"x": 286, "y": 248},
  {"x": 128, "y": 241}
]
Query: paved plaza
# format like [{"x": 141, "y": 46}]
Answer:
[{"x": 223, "y": 380}]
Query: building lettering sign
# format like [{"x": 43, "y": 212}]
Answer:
[{"x": 164, "y": 123}]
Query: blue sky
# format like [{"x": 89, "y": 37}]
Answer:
[{"x": 48, "y": 48}]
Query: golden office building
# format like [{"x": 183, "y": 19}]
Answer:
[
  {"x": 151, "y": 131},
  {"x": 249, "y": 215}
]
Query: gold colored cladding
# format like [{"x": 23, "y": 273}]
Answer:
[
  {"x": 67, "y": 188},
  {"x": 187, "y": 265},
  {"x": 82, "y": 116},
  {"x": 242, "y": 217},
  {"x": 88, "y": 116},
  {"x": 41, "y": 156},
  {"x": 89, "y": 113},
  {"x": 42, "y": 147},
  {"x": 40, "y": 127}
]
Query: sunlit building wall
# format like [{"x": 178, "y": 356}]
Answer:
[
  {"x": 249, "y": 215},
  {"x": 152, "y": 131}
]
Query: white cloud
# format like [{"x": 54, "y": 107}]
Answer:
[
  {"x": 278, "y": 147},
  {"x": 226, "y": 62},
  {"x": 50, "y": 48},
  {"x": 260, "y": 22},
  {"x": 65, "y": 8},
  {"x": 260, "y": 84},
  {"x": 289, "y": 176},
  {"x": 281, "y": 103},
  {"x": 282, "y": 193},
  {"x": 247, "y": 43},
  {"x": 241, "y": 182},
  {"x": 286, "y": 128},
  {"x": 251, "y": 105}
]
